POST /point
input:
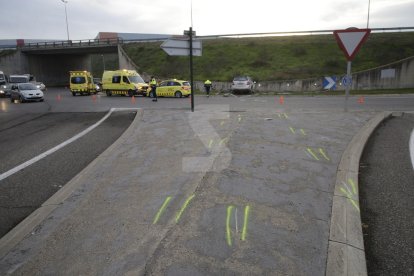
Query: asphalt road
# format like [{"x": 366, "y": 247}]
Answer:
[
  {"x": 263, "y": 207},
  {"x": 386, "y": 199},
  {"x": 26, "y": 190}
]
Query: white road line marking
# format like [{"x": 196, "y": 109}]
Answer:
[
  {"x": 411, "y": 147},
  {"x": 58, "y": 147}
]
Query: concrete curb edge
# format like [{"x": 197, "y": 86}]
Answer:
[
  {"x": 19, "y": 232},
  {"x": 346, "y": 254}
]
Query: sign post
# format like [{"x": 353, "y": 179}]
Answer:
[
  {"x": 191, "y": 69},
  {"x": 185, "y": 47},
  {"x": 350, "y": 41}
]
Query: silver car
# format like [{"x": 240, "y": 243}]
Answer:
[
  {"x": 25, "y": 92},
  {"x": 242, "y": 83}
]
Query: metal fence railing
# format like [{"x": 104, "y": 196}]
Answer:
[{"x": 72, "y": 43}]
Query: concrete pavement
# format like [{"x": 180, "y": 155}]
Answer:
[{"x": 141, "y": 209}]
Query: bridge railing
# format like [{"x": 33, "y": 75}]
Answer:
[{"x": 72, "y": 43}]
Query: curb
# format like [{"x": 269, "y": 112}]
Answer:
[
  {"x": 24, "y": 228},
  {"x": 346, "y": 253}
]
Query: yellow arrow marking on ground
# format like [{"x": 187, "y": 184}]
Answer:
[
  {"x": 292, "y": 130},
  {"x": 303, "y": 132}
]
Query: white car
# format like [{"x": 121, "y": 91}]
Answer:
[
  {"x": 242, "y": 83},
  {"x": 25, "y": 92}
]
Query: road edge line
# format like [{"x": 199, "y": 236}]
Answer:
[
  {"x": 24, "y": 228},
  {"x": 346, "y": 253}
]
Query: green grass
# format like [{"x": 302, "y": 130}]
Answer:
[
  {"x": 7, "y": 52},
  {"x": 272, "y": 58}
]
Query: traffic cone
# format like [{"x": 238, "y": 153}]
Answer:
[
  {"x": 133, "y": 99},
  {"x": 361, "y": 100},
  {"x": 281, "y": 100}
]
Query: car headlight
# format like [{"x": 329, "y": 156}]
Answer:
[{"x": 4, "y": 87}]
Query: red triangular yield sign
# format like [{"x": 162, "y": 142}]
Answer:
[{"x": 351, "y": 40}]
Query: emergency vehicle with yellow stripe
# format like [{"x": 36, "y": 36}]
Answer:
[
  {"x": 123, "y": 82},
  {"x": 81, "y": 82}
]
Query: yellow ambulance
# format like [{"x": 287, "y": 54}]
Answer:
[
  {"x": 81, "y": 82},
  {"x": 123, "y": 82}
]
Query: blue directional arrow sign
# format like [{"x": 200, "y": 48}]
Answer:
[
  {"x": 347, "y": 80},
  {"x": 329, "y": 83}
]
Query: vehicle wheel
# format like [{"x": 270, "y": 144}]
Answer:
[
  {"x": 41, "y": 100},
  {"x": 108, "y": 93},
  {"x": 130, "y": 93},
  {"x": 73, "y": 94},
  {"x": 178, "y": 94}
]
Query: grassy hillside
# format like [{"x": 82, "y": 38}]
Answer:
[{"x": 272, "y": 58}]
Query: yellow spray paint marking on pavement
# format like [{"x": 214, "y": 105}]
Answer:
[
  {"x": 312, "y": 153},
  {"x": 286, "y": 116},
  {"x": 350, "y": 181},
  {"x": 303, "y": 132},
  {"x": 292, "y": 130},
  {"x": 239, "y": 117},
  {"x": 349, "y": 195},
  {"x": 280, "y": 116},
  {"x": 324, "y": 154},
  {"x": 222, "y": 123},
  {"x": 246, "y": 219},
  {"x": 222, "y": 141},
  {"x": 162, "y": 209},
  {"x": 228, "y": 230},
  {"x": 210, "y": 144},
  {"x": 178, "y": 216}
]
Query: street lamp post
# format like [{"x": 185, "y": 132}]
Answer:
[{"x": 66, "y": 14}]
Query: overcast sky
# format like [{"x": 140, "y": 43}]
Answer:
[{"x": 45, "y": 19}]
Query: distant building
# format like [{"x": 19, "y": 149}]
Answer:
[{"x": 132, "y": 36}]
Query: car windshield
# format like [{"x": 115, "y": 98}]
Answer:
[
  {"x": 18, "y": 79},
  {"x": 78, "y": 80},
  {"x": 240, "y": 79},
  {"x": 27, "y": 86},
  {"x": 136, "y": 79}
]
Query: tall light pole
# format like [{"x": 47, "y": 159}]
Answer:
[
  {"x": 66, "y": 14},
  {"x": 369, "y": 6}
]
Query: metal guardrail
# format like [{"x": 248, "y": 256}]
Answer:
[
  {"x": 72, "y": 43},
  {"x": 116, "y": 41}
]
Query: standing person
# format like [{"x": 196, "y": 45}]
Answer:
[
  {"x": 153, "y": 84},
  {"x": 207, "y": 86}
]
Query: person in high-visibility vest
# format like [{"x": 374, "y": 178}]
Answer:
[
  {"x": 153, "y": 84},
  {"x": 207, "y": 86}
]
